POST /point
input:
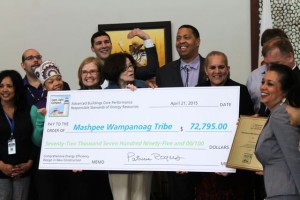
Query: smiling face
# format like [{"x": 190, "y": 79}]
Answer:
[
  {"x": 90, "y": 75},
  {"x": 294, "y": 114},
  {"x": 127, "y": 75},
  {"x": 217, "y": 70},
  {"x": 7, "y": 90},
  {"x": 187, "y": 44},
  {"x": 271, "y": 93},
  {"x": 54, "y": 83},
  {"x": 102, "y": 47}
]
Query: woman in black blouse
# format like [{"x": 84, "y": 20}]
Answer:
[
  {"x": 225, "y": 186},
  {"x": 16, "y": 149}
]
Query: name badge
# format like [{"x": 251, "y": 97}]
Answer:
[{"x": 11, "y": 146}]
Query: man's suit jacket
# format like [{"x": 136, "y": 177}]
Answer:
[
  {"x": 278, "y": 151},
  {"x": 170, "y": 76},
  {"x": 149, "y": 71},
  {"x": 296, "y": 73},
  {"x": 182, "y": 186}
]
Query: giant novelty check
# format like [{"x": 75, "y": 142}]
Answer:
[{"x": 166, "y": 129}]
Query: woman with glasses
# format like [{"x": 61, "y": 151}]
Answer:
[
  {"x": 89, "y": 184},
  {"x": 119, "y": 70},
  {"x": 89, "y": 74},
  {"x": 224, "y": 186}
]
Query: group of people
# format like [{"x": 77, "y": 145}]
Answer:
[{"x": 272, "y": 90}]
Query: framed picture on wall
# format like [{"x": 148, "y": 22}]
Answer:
[{"x": 160, "y": 33}]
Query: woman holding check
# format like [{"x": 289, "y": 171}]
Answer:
[
  {"x": 223, "y": 186},
  {"x": 119, "y": 70}
]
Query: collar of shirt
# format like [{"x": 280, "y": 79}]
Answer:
[
  {"x": 263, "y": 69},
  {"x": 193, "y": 74},
  {"x": 195, "y": 64},
  {"x": 27, "y": 84},
  {"x": 25, "y": 81}
]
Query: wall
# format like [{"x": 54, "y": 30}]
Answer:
[
  {"x": 61, "y": 29},
  {"x": 286, "y": 16}
]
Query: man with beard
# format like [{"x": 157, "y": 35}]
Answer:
[
  {"x": 101, "y": 45},
  {"x": 31, "y": 59},
  {"x": 188, "y": 71}
]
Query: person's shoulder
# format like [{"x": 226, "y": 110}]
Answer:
[
  {"x": 41, "y": 103},
  {"x": 258, "y": 71},
  {"x": 202, "y": 59},
  {"x": 66, "y": 86},
  {"x": 25, "y": 81},
  {"x": 280, "y": 108},
  {"x": 204, "y": 83},
  {"x": 140, "y": 84},
  {"x": 170, "y": 65},
  {"x": 112, "y": 87},
  {"x": 231, "y": 82},
  {"x": 279, "y": 113}
]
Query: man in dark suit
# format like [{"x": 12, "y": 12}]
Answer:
[
  {"x": 187, "y": 71},
  {"x": 174, "y": 74}
]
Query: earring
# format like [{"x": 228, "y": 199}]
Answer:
[{"x": 283, "y": 100}]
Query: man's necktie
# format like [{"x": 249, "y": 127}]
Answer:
[{"x": 187, "y": 68}]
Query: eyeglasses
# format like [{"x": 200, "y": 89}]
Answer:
[
  {"x": 129, "y": 66},
  {"x": 38, "y": 57},
  {"x": 92, "y": 72}
]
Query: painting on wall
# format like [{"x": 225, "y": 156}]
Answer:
[{"x": 160, "y": 33}]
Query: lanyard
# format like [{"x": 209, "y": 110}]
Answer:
[
  {"x": 11, "y": 124},
  {"x": 34, "y": 97}
]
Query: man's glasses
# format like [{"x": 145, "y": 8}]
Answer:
[
  {"x": 92, "y": 72},
  {"x": 38, "y": 57}
]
